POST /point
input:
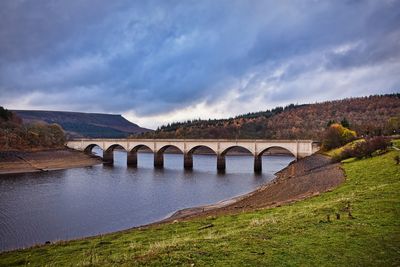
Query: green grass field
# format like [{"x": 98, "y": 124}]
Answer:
[{"x": 366, "y": 234}]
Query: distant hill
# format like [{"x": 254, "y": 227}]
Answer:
[
  {"x": 78, "y": 124},
  {"x": 372, "y": 115}
]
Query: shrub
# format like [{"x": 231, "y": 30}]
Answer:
[
  {"x": 336, "y": 136},
  {"x": 364, "y": 149},
  {"x": 379, "y": 143},
  {"x": 360, "y": 150},
  {"x": 345, "y": 154}
]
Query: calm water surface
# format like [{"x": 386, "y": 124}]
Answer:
[{"x": 67, "y": 204}]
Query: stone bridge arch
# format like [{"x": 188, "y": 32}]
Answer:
[
  {"x": 159, "y": 155},
  {"x": 225, "y": 147},
  {"x": 262, "y": 153},
  {"x": 292, "y": 148},
  {"x": 188, "y": 156},
  {"x": 192, "y": 146},
  {"x": 258, "y": 156},
  {"x": 108, "y": 153},
  {"x": 221, "y": 161},
  {"x": 88, "y": 148},
  {"x": 132, "y": 158}
]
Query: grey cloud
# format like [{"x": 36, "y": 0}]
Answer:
[{"x": 157, "y": 56}]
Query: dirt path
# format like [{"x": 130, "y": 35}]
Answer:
[{"x": 21, "y": 162}]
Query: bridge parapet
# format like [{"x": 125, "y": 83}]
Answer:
[{"x": 299, "y": 148}]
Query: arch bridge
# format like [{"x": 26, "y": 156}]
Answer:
[{"x": 299, "y": 148}]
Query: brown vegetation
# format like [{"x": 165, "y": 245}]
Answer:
[
  {"x": 364, "y": 149},
  {"x": 368, "y": 116},
  {"x": 336, "y": 136},
  {"x": 34, "y": 136}
]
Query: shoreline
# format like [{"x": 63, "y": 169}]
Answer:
[
  {"x": 217, "y": 205},
  {"x": 315, "y": 173},
  {"x": 20, "y": 162}
]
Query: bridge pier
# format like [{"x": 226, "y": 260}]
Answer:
[
  {"x": 188, "y": 161},
  {"x": 158, "y": 160},
  {"x": 258, "y": 164},
  {"x": 221, "y": 166},
  {"x": 108, "y": 156},
  {"x": 132, "y": 159}
]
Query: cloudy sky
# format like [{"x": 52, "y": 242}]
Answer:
[{"x": 162, "y": 61}]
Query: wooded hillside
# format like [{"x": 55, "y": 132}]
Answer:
[
  {"x": 14, "y": 135},
  {"x": 372, "y": 115}
]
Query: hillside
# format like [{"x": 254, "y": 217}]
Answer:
[
  {"x": 77, "y": 124},
  {"x": 373, "y": 115},
  {"x": 14, "y": 135}
]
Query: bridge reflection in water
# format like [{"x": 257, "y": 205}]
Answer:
[{"x": 299, "y": 148}]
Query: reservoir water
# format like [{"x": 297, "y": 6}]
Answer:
[{"x": 73, "y": 203}]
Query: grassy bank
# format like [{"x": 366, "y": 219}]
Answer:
[{"x": 307, "y": 233}]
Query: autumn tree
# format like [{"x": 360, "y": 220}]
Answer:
[
  {"x": 337, "y": 135},
  {"x": 345, "y": 123}
]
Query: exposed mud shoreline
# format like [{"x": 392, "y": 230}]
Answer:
[
  {"x": 305, "y": 178},
  {"x": 12, "y": 162}
]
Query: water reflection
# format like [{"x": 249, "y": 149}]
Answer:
[{"x": 87, "y": 201}]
